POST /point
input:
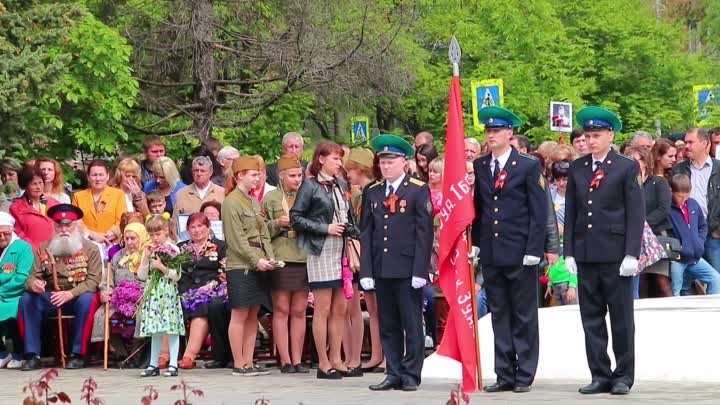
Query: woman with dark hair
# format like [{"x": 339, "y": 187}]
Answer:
[
  {"x": 102, "y": 205},
  {"x": 53, "y": 177},
  {"x": 664, "y": 156},
  {"x": 323, "y": 217},
  {"x": 204, "y": 274},
  {"x": 31, "y": 222},
  {"x": 658, "y": 199},
  {"x": 9, "y": 171},
  {"x": 424, "y": 155}
]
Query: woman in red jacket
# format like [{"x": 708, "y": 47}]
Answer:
[{"x": 31, "y": 222}]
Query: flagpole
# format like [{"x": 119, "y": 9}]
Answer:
[{"x": 455, "y": 54}]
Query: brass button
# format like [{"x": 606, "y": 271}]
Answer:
[
  {"x": 385, "y": 250},
  {"x": 495, "y": 222},
  {"x": 496, "y": 234},
  {"x": 589, "y": 226},
  {"x": 589, "y": 214},
  {"x": 496, "y": 210}
]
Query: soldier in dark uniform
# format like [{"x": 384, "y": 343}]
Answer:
[
  {"x": 509, "y": 228},
  {"x": 79, "y": 268},
  {"x": 604, "y": 216},
  {"x": 396, "y": 241}
]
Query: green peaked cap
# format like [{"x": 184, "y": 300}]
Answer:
[
  {"x": 594, "y": 118},
  {"x": 498, "y": 117},
  {"x": 391, "y": 145}
]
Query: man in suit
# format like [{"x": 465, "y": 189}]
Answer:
[
  {"x": 604, "y": 217},
  {"x": 509, "y": 228},
  {"x": 396, "y": 240}
]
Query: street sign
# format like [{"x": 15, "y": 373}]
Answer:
[
  {"x": 703, "y": 95},
  {"x": 360, "y": 128},
  {"x": 485, "y": 93}
]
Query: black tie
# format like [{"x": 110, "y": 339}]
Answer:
[
  {"x": 391, "y": 190},
  {"x": 597, "y": 165},
  {"x": 496, "y": 169}
]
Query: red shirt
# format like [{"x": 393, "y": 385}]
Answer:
[
  {"x": 30, "y": 225},
  {"x": 686, "y": 213}
]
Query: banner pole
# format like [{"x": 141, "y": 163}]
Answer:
[{"x": 473, "y": 294}]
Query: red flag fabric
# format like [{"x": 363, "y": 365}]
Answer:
[{"x": 455, "y": 278}]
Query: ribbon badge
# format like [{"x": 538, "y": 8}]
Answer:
[
  {"x": 595, "y": 183},
  {"x": 500, "y": 181},
  {"x": 8, "y": 268},
  {"x": 391, "y": 203}
]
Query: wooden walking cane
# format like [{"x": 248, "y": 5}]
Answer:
[
  {"x": 56, "y": 287},
  {"x": 107, "y": 318}
]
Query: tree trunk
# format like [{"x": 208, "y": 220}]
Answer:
[{"x": 203, "y": 70}]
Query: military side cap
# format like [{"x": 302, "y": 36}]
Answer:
[
  {"x": 65, "y": 213},
  {"x": 391, "y": 145},
  {"x": 288, "y": 162},
  {"x": 498, "y": 117},
  {"x": 595, "y": 118},
  {"x": 245, "y": 163},
  {"x": 362, "y": 156}
]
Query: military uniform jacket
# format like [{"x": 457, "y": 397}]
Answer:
[
  {"x": 511, "y": 219},
  {"x": 246, "y": 235},
  {"x": 603, "y": 223},
  {"x": 79, "y": 273},
  {"x": 284, "y": 240},
  {"x": 396, "y": 245}
]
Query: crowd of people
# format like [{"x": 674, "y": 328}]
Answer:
[{"x": 186, "y": 249}]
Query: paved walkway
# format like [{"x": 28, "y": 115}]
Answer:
[{"x": 121, "y": 387}]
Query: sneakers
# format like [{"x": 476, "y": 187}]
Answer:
[
  {"x": 5, "y": 360},
  {"x": 15, "y": 364},
  {"x": 260, "y": 370},
  {"x": 250, "y": 371}
]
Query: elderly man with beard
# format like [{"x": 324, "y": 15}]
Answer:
[{"x": 78, "y": 265}]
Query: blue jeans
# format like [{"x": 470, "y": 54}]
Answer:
[
  {"x": 482, "y": 308},
  {"x": 712, "y": 251},
  {"x": 682, "y": 274},
  {"x": 636, "y": 287}
]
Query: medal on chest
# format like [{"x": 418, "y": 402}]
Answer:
[{"x": 76, "y": 268}]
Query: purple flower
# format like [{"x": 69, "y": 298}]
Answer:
[{"x": 126, "y": 296}]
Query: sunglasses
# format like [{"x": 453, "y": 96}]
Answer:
[{"x": 561, "y": 164}]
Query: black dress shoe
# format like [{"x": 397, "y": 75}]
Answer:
[
  {"x": 287, "y": 369},
  {"x": 497, "y": 387},
  {"x": 595, "y": 387},
  {"x": 215, "y": 364},
  {"x": 620, "y": 389},
  {"x": 409, "y": 386},
  {"x": 521, "y": 389},
  {"x": 301, "y": 369},
  {"x": 76, "y": 362},
  {"x": 386, "y": 385},
  {"x": 352, "y": 372},
  {"x": 32, "y": 363},
  {"x": 331, "y": 374}
]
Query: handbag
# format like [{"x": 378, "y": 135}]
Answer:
[
  {"x": 651, "y": 251},
  {"x": 672, "y": 247},
  {"x": 353, "y": 254}
]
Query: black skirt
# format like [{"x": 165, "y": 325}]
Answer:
[
  {"x": 292, "y": 277},
  {"x": 248, "y": 288}
]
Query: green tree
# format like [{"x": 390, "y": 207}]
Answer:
[{"x": 65, "y": 81}]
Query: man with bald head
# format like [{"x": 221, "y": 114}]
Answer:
[
  {"x": 423, "y": 138},
  {"x": 292, "y": 145}
]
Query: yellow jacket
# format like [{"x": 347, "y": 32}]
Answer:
[{"x": 110, "y": 209}]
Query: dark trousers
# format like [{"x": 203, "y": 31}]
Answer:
[
  {"x": 512, "y": 300},
  {"x": 601, "y": 289},
  {"x": 10, "y": 331},
  {"x": 401, "y": 330},
  {"x": 219, "y": 321},
  {"x": 35, "y": 308}
]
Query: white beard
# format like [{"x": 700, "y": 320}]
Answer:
[{"x": 64, "y": 246}]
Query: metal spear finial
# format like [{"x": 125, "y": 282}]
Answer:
[{"x": 455, "y": 54}]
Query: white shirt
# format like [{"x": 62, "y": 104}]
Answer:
[
  {"x": 598, "y": 159},
  {"x": 202, "y": 192},
  {"x": 699, "y": 178},
  {"x": 396, "y": 184},
  {"x": 502, "y": 160}
]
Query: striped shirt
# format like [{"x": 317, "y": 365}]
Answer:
[{"x": 699, "y": 178}]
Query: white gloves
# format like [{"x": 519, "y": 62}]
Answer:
[
  {"x": 367, "y": 283},
  {"x": 417, "y": 282},
  {"x": 629, "y": 266},
  {"x": 570, "y": 265},
  {"x": 530, "y": 260}
]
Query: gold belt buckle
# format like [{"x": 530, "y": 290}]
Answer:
[{"x": 292, "y": 234}]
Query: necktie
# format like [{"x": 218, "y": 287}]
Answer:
[
  {"x": 496, "y": 169},
  {"x": 391, "y": 190},
  {"x": 597, "y": 165}
]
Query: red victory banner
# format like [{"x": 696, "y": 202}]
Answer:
[{"x": 456, "y": 279}]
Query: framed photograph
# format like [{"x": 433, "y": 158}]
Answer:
[{"x": 560, "y": 116}]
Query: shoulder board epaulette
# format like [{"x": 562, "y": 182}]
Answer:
[
  {"x": 626, "y": 157},
  {"x": 525, "y": 155},
  {"x": 377, "y": 183},
  {"x": 416, "y": 181}
]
